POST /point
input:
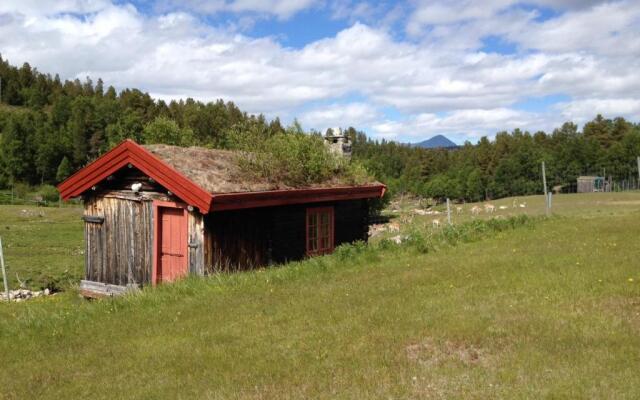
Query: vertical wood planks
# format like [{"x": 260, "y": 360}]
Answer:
[
  {"x": 196, "y": 243},
  {"x": 119, "y": 251}
]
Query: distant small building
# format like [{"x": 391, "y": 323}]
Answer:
[{"x": 590, "y": 184}]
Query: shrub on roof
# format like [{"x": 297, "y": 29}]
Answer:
[{"x": 294, "y": 158}]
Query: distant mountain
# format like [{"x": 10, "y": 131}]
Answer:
[{"x": 436, "y": 142}]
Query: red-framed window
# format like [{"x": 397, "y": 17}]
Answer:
[{"x": 320, "y": 230}]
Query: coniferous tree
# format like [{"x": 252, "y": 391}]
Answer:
[{"x": 64, "y": 170}]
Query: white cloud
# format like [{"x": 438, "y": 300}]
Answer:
[
  {"x": 38, "y": 7},
  {"x": 343, "y": 115},
  {"x": 584, "y": 110},
  {"x": 281, "y": 8},
  {"x": 610, "y": 28},
  {"x": 438, "y": 81}
]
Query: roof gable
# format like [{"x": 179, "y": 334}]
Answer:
[{"x": 129, "y": 152}]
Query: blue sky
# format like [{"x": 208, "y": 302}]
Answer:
[{"x": 399, "y": 70}]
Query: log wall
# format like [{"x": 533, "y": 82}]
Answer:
[{"x": 245, "y": 239}]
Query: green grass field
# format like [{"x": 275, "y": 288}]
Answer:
[
  {"x": 43, "y": 245},
  {"x": 534, "y": 308}
]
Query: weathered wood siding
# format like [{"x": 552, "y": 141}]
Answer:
[
  {"x": 119, "y": 251},
  {"x": 244, "y": 239},
  {"x": 196, "y": 243},
  {"x": 236, "y": 239}
]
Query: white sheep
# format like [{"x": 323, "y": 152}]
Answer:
[
  {"x": 435, "y": 223},
  {"x": 475, "y": 210},
  {"x": 489, "y": 208},
  {"x": 396, "y": 239}
]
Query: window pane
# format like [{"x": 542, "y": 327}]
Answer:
[
  {"x": 312, "y": 232},
  {"x": 319, "y": 231},
  {"x": 324, "y": 218},
  {"x": 324, "y": 231}
]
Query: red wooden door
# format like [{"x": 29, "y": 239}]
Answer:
[{"x": 173, "y": 244}]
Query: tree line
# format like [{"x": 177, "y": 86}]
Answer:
[
  {"x": 50, "y": 128},
  {"x": 509, "y": 165}
]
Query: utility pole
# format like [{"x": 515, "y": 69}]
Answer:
[{"x": 544, "y": 187}]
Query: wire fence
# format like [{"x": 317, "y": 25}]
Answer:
[
  {"x": 12, "y": 198},
  {"x": 601, "y": 185}
]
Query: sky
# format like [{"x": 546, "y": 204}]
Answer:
[{"x": 400, "y": 70}]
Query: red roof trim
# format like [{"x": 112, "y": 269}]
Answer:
[
  {"x": 191, "y": 193},
  {"x": 130, "y": 152},
  {"x": 237, "y": 201}
]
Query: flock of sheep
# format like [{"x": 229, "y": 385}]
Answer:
[
  {"x": 476, "y": 210},
  {"x": 490, "y": 208}
]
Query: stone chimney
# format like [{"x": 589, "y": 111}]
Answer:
[{"x": 338, "y": 143}]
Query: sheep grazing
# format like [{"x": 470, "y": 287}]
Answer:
[
  {"x": 435, "y": 223},
  {"x": 459, "y": 210},
  {"x": 396, "y": 239},
  {"x": 503, "y": 207},
  {"x": 475, "y": 210},
  {"x": 523, "y": 205},
  {"x": 376, "y": 229},
  {"x": 489, "y": 208},
  {"x": 406, "y": 219},
  {"x": 394, "y": 227}
]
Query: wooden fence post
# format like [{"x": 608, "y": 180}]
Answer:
[
  {"x": 448, "y": 211},
  {"x": 4, "y": 272},
  {"x": 544, "y": 187}
]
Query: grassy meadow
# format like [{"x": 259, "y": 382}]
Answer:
[
  {"x": 43, "y": 246},
  {"x": 508, "y": 308}
]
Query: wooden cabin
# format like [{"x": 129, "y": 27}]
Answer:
[{"x": 156, "y": 213}]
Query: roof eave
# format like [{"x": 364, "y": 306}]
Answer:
[{"x": 238, "y": 201}]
